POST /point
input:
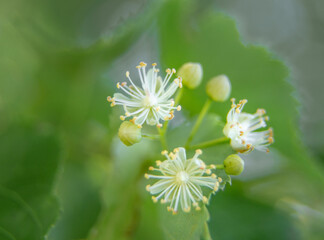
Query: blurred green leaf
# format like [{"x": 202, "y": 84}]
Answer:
[
  {"x": 29, "y": 159},
  {"x": 189, "y": 33},
  {"x": 234, "y": 216},
  {"x": 183, "y": 226}
]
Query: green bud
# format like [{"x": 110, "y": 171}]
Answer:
[
  {"x": 129, "y": 133},
  {"x": 219, "y": 88},
  {"x": 234, "y": 165},
  {"x": 191, "y": 74}
]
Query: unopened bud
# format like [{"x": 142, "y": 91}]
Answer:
[
  {"x": 219, "y": 88},
  {"x": 234, "y": 165},
  {"x": 191, "y": 74},
  {"x": 129, "y": 133}
]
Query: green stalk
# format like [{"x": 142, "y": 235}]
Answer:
[
  {"x": 162, "y": 138},
  {"x": 201, "y": 116},
  {"x": 150, "y": 136},
  {"x": 209, "y": 143}
]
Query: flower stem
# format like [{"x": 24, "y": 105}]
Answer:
[
  {"x": 206, "y": 233},
  {"x": 209, "y": 143},
  {"x": 201, "y": 116},
  {"x": 162, "y": 138},
  {"x": 219, "y": 166},
  {"x": 150, "y": 136}
]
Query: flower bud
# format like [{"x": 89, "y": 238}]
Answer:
[
  {"x": 234, "y": 165},
  {"x": 219, "y": 88},
  {"x": 129, "y": 133},
  {"x": 191, "y": 74}
]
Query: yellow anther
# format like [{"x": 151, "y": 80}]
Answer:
[
  {"x": 205, "y": 199},
  {"x": 151, "y": 168},
  {"x": 198, "y": 208},
  {"x": 178, "y": 108},
  {"x": 127, "y": 74},
  {"x": 154, "y": 64},
  {"x": 146, "y": 176},
  {"x": 176, "y": 150},
  {"x": 172, "y": 103},
  {"x": 270, "y": 139},
  {"x": 173, "y": 70},
  {"x": 139, "y": 125},
  {"x": 127, "y": 114},
  {"x": 118, "y": 86},
  {"x": 168, "y": 71},
  {"x": 267, "y": 150},
  {"x": 154, "y": 199},
  {"x": 208, "y": 171},
  {"x": 112, "y": 104},
  {"x": 198, "y": 151},
  {"x": 212, "y": 166},
  {"x": 157, "y": 108},
  {"x": 124, "y": 84},
  {"x": 163, "y": 201},
  {"x": 174, "y": 212},
  {"x": 248, "y": 146},
  {"x": 164, "y": 152},
  {"x": 158, "y": 162},
  {"x": 187, "y": 209},
  {"x": 109, "y": 99},
  {"x": 213, "y": 175},
  {"x": 142, "y": 64},
  {"x": 159, "y": 125},
  {"x": 169, "y": 208},
  {"x": 220, "y": 179},
  {"x": 122, "y": 117},
  {"x": 148, "y": 187}
]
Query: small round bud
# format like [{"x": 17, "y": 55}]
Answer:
[
  {"x": 219, "y": 88},
  {"x": 191, "y": 74},
  {"x": 234, "y": 165},
  {"x": 129, "y": 133}
]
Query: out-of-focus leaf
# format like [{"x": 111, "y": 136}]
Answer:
[
  {"x": 233, "y": 216},
  {"x": 212, "y": 39},
  {"x": 80, "y": 202},
  {"x": 183, "y": 226},
  {"x": 119, "y": 216},
  {"x": 29, "y": 160}
]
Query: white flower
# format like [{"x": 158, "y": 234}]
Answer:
[
  {"x": 181, "y": 179},
  {"x": 152, "y": 102},
  {"x": 241, "y": 129}
]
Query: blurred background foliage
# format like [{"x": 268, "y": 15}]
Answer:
[{"x": 63, "y": 173}]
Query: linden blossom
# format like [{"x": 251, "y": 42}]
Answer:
[
  {"x": 241, "y": 129},
  {"x": 150, "y": 103},
  {"x": 181, "y": 179}
]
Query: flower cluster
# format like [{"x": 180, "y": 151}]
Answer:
[
  {"x": 241, "y": 129},
  {"x": 152, "y": 101},
  {"x": 180, "y": 180}
]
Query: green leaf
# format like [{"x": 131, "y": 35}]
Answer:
[
  {"x": 211, "y": 39},
  {"x": 183, "y": 226},
  {"x": 29, "y": 161},
  {"x": 234, "y": 216}
]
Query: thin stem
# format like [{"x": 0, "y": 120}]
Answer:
[
  {"x": 219, "y": 166},
  {"x": 201, "y": 116},
  {"x": 162, "y": 138},
  {"x": 210, "y": 143},
  {"x": 206, "y": 233},
  {"x": 176, "y": 101},
  {"x": 150, "y": 136},
  {"x": 178, "y": 97}
]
